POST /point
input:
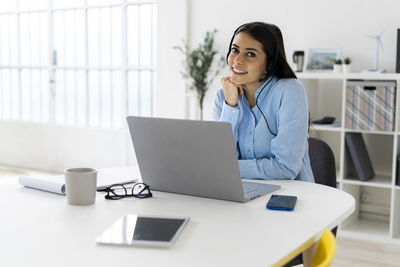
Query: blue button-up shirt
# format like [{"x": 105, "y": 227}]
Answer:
[{"x": 262, "y": 155}]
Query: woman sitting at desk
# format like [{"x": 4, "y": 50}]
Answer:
[{"x": 266, "y": 105}]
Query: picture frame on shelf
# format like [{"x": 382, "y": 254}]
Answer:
[{"x": 321, "y": 59}]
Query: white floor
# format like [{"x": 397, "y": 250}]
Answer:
[{"x": 350, "y": 252}]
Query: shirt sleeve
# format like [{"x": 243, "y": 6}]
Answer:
[
  {"x": 224, "y": 112},
  {"x": 290, "y": 145}
]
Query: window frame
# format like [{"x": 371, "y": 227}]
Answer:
[{"x": 51, "y": 66}]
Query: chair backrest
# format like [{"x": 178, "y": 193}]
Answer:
[
  {"x": 326, "y": 250},
  {"x": 322, "y": 162}
]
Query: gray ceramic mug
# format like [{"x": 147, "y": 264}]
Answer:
[{"x": 80, "y": 186}]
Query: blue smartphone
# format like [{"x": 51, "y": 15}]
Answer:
[{"x": 281, "y": 202}]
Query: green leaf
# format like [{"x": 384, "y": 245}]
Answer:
[{"x": 199, "y": 64}]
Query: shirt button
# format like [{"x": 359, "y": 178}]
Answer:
[
  {"x": 248, "y": 150},
  {"x": 250, "y": 132},
  {"x": 233, "y": 111}
]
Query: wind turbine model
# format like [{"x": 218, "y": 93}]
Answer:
[{"x": 378, "y": 43}]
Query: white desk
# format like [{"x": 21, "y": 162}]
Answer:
[{"x": 40, "y": 229}]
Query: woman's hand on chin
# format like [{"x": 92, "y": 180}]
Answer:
[{"x": 232, "y": 91}]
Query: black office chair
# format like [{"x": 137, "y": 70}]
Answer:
[
  {"x": 323, "y": 167},
  {"x": 322, "y": 162}
]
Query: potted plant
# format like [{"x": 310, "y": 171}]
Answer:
[
  {"x": 337, "y": 66},
  {"x": 198, "y": 65},
  {"x": 346, "y": 65}
]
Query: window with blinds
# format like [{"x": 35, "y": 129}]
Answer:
[{"x": 79, "y": 62}]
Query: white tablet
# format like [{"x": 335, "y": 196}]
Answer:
[{"x": 133, "y": 230}]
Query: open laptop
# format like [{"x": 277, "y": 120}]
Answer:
[{"x": 191, "y": 157}]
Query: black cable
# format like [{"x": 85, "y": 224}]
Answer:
[{"x": 270, "y": 79}]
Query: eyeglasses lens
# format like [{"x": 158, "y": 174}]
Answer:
[
  {"x": 141, "y": 190},
  {"x": 117, "y": 191}
]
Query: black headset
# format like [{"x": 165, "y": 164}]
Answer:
[{"x": 271, "y": 66}]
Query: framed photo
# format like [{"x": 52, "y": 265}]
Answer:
[{"x": 321, "y": 59}]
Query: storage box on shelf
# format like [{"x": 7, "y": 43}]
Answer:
[
  {"x": 370, "y": 105},
  {"x": 377, "y": 214}
]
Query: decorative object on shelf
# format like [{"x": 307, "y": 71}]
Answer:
[
  {"x": 321, "y": 59},
  {"x": 370, "y": 105},
  {"x": 337, "y": 67},
  {"x": 298, "y": 59},
  {"x": 198, "y": 65},
  {"x": 347, "y": 65},
  {"x": 378, "y": 39},
  {"x": 359, "y": 156}
]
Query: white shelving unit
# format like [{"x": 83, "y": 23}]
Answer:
[{"x": 377, "y": 214}]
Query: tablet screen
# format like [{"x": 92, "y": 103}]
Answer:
[
  {"x": 143, "y": 230},
  {"x": 156, "y": 229}
]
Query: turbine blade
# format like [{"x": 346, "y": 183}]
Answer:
[
  {"x": 380, "y": 42},
  {"x": 371, "y": 36},
  {"x": 383, "y": 30}
]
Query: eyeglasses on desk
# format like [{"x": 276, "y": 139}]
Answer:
[{"x": 119, "y": 191}]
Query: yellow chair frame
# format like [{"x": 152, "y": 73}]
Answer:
[{"x": 326, "y": 250}]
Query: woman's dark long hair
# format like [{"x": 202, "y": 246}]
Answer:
[{"x": 270, "y": 36}]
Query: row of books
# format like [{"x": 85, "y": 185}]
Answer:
[{"x": 361, "y": 160}]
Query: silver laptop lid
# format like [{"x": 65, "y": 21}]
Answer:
[{"x": 187, "y": 157}]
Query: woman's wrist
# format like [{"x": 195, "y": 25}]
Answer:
[{"x": 231, "y": 104}]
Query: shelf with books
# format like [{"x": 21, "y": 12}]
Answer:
[
  {"x": 368, "y": 156},
  {"x": 328, "y": 95}
]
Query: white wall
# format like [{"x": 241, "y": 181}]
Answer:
[
  {"x": 305, "y": 24},
  {"x": 172, "y": 29}
]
